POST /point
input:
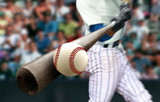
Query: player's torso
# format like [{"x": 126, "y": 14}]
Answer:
[{"x": 100, "y": 11}]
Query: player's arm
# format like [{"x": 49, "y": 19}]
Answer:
[{"x": 124, "y": 16}]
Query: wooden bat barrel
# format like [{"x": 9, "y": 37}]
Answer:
[{"x": 34, "y": 76}]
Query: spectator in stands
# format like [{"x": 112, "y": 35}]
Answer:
[
  {"x": 132, "y": 38},
  {"x": 154, "y": 23},
  {"x": 77, "y": 33},
  {"x": 47, "y": 24},
  {"x": 130, "y": 50},
  {"x": 131, "y": 44},
  {"x": 155, "y": 7},
  {"x": 129, "y": 28},
  {"x": 30, "y": 53},
  {"x": 149, "y": 73},
  {"x": 61, "y": 38},
  {"x": 10, "y": 39},
  {"x": 24, "y": 37},
  {"x": 11, "y": 9},
  {"x": 13, "y": 64},
  {"x": 32, "y": 27},
  {"x": 42, "y": 7},
  {"x": 18, "y": 22},
  {"x": 5, "y": 72},
  {"x": 3, "y": 54},
  {"x": 42, "y": 41},
  {"x": 51, "y": 36},
  {"x": 68, "y": 26},
  {"x": 75, "y": 14},
  {"x": 34, "y": 53},
  {"x": 17, "y": 52},
  {"x": 149, "y": 45},
  {"x": 137, "y": 73},
  {"x": 141, "y": 30},
  {"x": 61, "y": 10},
  {"x": 53, "y": 44},
  {"x": 25, "y": 56},
  {"x": 137, "y": 14},
  {"x": 28, "y": 10},
  {"x": 3, "y": 23},
  {"x": 140, "y": 61}
]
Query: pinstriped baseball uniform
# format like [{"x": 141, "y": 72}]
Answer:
[{"x": 108, "y": 66}]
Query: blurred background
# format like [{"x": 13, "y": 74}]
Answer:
[{"x": 31, "y": 28}]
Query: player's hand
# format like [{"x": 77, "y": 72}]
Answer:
[{"x": 125, "y": 15}]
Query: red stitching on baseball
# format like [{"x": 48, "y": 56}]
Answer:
[
  {"x": 71, "y": 60},
  {"x": 57, "y": 56}
]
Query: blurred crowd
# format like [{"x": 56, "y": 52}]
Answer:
[{"x": 29, "y": 29}]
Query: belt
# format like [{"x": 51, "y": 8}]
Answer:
[{"x": 111, "y": 45}]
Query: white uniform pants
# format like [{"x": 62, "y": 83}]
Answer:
[{"x": 110, "y": 71}]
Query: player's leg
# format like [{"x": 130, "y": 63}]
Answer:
[
  {"x": 104, "y": 74},
  {"x": 130, "y": 87}
]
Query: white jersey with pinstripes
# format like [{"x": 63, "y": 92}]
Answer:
[
  {"x": 100, "y": 11},
  {"x": 109, "y": 68}
]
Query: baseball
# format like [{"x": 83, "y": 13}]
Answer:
[{"x": 70, "y": 59}]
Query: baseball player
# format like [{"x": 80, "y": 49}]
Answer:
[{"x": 108, "y": 66}]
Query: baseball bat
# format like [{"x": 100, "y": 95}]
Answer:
[{"x": 37, "y": 74}]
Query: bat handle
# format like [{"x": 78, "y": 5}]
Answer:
[{"x": 127, "y": 2}]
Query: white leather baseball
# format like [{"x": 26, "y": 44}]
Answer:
[{"x": 70, "y": 59}]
